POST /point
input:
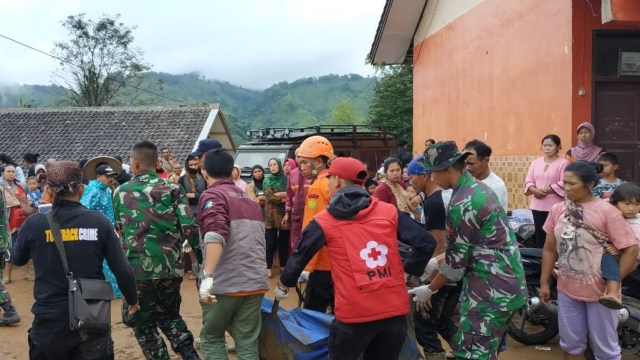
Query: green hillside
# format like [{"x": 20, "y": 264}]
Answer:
[{"x": 304, "y": 102}]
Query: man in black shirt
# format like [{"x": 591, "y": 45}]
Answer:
[
  {"x": 403, "y": 154},
  {"x": 439, "y": 318},
  {"x": 88, "y": 238}
]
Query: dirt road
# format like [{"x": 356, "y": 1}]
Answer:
[{"x": 13, "y": 343}]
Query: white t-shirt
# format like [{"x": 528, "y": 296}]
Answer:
[{"x": 495, "y": 183}]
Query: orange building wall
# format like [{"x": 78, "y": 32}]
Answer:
[
  {"x": 625, "y": 10},
  {"x": 584, "y": 23},
  {"x": 500, "y": 73}
]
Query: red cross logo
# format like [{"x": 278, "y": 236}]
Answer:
[{"x": 374, "y": 254}]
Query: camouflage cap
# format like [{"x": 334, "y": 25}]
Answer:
[{"x": 442, "y": 155}]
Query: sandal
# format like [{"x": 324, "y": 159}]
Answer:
[
  {"x": 611, "y": 302},
  {"x": 450, "y": 355}
]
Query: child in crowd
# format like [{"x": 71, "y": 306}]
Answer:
[
  {"x": 626, "y": 198},
  {"x": 371, "y": 186},
  {"x": 34, "y": 194},
  {"x": 608, "y": 182}
]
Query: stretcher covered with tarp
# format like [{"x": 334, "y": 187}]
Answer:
[{"x": 299, "y": 334}]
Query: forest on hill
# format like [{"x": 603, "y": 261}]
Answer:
[{"x": 304, "y": 102}]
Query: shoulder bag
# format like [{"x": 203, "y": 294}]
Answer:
[{"x": 89, "y": 299}]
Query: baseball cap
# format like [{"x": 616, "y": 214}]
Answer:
[
  {"x": 416, "y": 167},
  {"x": 206, "y": 145},
  {"x": 105, "y": 170},
  {"x": 442, "y": 155},
  {"x": 348, "y": 168}
]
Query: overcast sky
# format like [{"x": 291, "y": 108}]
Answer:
[{"x": 253, "y": 43}]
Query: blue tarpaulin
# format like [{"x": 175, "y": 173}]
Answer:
[{"x": 299, "y": 334}]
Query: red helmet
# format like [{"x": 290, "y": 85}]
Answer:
[{"x": 315, "y": 146}]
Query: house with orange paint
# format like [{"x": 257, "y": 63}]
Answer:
[{"x": 508, "y": 72}]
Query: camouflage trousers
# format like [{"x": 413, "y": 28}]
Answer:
[
  {"x": 159, "y": 301},
  {"x": 4, "y": 293},
  {"x": 481, "y": 331}
]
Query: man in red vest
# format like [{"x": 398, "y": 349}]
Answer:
[{"x": 361, "y": 235}]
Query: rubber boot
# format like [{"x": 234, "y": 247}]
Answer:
[
  {"x": 10, "y": 316},
  {"x": 187, "y": 352}
]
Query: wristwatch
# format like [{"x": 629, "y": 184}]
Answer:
[{"x": 285, "y": 290}]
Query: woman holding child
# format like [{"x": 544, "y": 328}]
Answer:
[{"x": 577, "y": 232}]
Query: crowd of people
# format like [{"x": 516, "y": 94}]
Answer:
[{"x": 391, "y": 253}]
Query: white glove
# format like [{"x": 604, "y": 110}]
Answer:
[
  {"x": 186, "y": 248},
  {"x": 431, "y": 268},
  {"x": 304, "y": 277},
  {"x": 280, "y": 294},
  {"x": 206, "y": 286},
  {"x": 422, "y": 293}
]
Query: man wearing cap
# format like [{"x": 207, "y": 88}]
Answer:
[
  {"x": 361, "y": 235},
  {"x": 156, "y": 220},
  {"x": 438, "y": 319},
  {"x": 97, "y": 196},
  {"x": 481, "y": 250},
  {"x": 89, "y": 238},
  {"x": 202, "y": 148}
]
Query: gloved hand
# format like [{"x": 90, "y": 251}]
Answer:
[
  {"x": 206, "y": 286},
  {"x": 186, "y": 248},
  {"x": 280, "y": 294},
  {"x": 431, "y": 269},
  {"x": 304, "y": 277},
  {"x": 421, "y": 293}
]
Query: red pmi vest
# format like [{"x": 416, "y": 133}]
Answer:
[{"x": 366, "y": 268}]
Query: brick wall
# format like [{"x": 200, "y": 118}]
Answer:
[{"x": 513, "y": 170}]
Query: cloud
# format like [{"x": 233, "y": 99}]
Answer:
[{"x": 251, "y": 43}]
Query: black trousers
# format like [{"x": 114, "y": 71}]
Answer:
[
  {"x": 53, "y": 340},
  {"x": 319, "y": 291},
  {"x": 277, "y": 239},
  {"x": 374, "y": 340},
  {"x": 438, "y": 320},
  {"x": 539, "y": 218}
]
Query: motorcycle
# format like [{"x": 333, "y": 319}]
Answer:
[{"x": 536, "y": 323}]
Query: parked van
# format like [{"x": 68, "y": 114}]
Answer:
[{"x": 368, "y": 143}]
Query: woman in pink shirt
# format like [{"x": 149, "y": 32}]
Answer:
[
  {"x": 577, "y": 231},
  {"x": 544, "y": 182}
]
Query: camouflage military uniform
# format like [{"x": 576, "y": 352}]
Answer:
[
  {"x": 155, "y": 220},
  {"x": 482, "y": 250},
  {"x": 5, "y": 244}
]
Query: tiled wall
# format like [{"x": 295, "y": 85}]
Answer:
[{"x": 513, "y": 170}]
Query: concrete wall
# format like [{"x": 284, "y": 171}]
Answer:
[{"x": 501, "y": 73}]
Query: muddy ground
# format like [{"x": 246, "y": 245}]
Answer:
[{"x": 13, "y": 343}]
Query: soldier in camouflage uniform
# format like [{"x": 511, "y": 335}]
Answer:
[
  {"x": 155, "y": 220},
  {"x": 482, "y": 251},
  {"x": 10, "y": 315}
]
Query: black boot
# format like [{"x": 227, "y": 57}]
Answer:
[
  {"x": 187, "y": 352},
  {"x": 10, "y": 316}
]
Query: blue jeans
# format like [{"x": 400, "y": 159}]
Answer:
[{"x": 610, "y": 267}]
